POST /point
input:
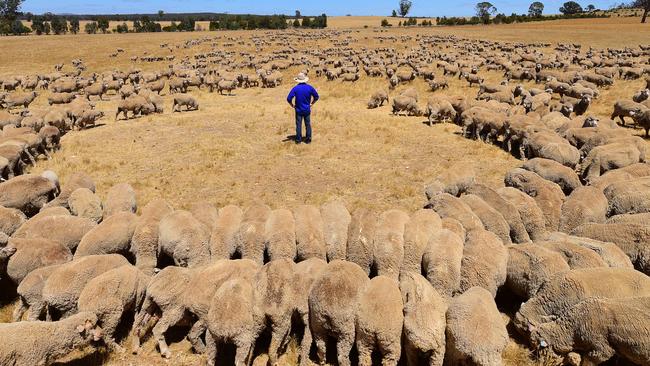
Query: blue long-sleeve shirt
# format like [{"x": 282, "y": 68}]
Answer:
[{"x": 303, "y": 93}]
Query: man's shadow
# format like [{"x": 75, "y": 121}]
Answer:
[{"x": 290, "y": 138}]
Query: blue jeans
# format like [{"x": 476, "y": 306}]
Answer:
[{"x": 299, "y": 119}]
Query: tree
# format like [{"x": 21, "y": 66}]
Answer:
[
  {"x": 384, "y": 23},
  {"x": 298, "y": 14},
  {"x": 591, "y": 8},
  {"x": 37, "y": 25},
  {"x": 571, "y": 8},
  {"x": 161, "y": 13},
  {"x": 296, "y": 23},
  {"x": 91, "y": 28},
  {"x": 9, "y": 11},
  {"x": 59, "y": 25},
  {"x": 484, "y": 10},
  {"x": 536, "y": 9},
  {"x": 46, "y": 28},
  {"x": 102, "y": 24},
  {"x": 394, "y": 15},
  {"x": 405, "y": 7},
  {"x": 306, "y": 22},
  {"x": 74, "y": 26},
  {"x": 643, "y": 4}
]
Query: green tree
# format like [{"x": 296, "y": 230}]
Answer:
[
  {"x": 484, "y": 10},
  {"x": 46, "y": 28},
  {"x": 298, "y": 15},
  {"x": 37, "y": 25},
  {"x": 91, "y": 28},
  {"x": 405, "y": 7},
  {"x": 161, "y": 14},
  {"x": 306, "y": 22},
  {"x": 102, "y": 24},
  {"x": 394, "y": 15},
  {"x": 571, "y": 8},
  {"x": 74, "y": 26},
  {"x": 59, "y": 25},
  {"x": 536, "y": 9},
  {"x": 591, "y": 8},
  {"x": 296, "y": 23},
  {"x": 9, "y": 11},
  {"x": 384, "y": 23}
]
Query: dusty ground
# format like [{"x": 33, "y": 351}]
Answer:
[{"x": 235, "y": 148}]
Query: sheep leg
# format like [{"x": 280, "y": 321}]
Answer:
[
  {"x": 19, "y": 310},
  {"x": 391, "y": 352},
  {"x": 109, "y": 326},
  {"x": 305, "y": 345},
  {"x": 194, "y": 336},
  {"x": 278, "y": 335},
  {"x": 140, "y": 321},
  {"x": 436, "y": 358},
  {"x": 364, "y": 350},
  {"x": 36, "y": 310},
  {"x": 243, "y": 355},
  {"x": 320, "y": 347},
  {"x": 168, "y": 319},
  {"x": 343, "y": 348},
  {"x": 210, "y": 349}
]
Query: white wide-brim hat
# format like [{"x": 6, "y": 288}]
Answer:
[{"x": 301, "y": 78}]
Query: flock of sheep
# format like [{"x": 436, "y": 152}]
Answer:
[{"x": 565, "y": 242}]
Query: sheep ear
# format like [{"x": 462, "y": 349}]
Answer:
[{"x": 81, "y": 328}]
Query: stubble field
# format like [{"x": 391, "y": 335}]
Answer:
[{"x": 236, "y": 149}]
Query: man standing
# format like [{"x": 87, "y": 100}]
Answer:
[{"x": 305, "y": 96}]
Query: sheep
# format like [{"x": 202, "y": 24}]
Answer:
[
  {"x": 626, "y": 108},
  {"x": 439, "y": 109},
  {"x": 388, "y": 243},
  {"x": 178, "y": 85},
  {"x": 60, "y": 98},
  {"x": 306, "y": 273},
  {"x": 549, "y": 145},
  {"x": 233, "y": 317},
  {"x": 424, "y": 320},
  {"x": 87, "y": 118},
  {"x": 112, "y": 235},
  {"x": 228, "y": 85},
  {"x": 455, "y": 181},
  {"x": 378, "y": 99},
  {"x": 641, "y": 96},
  {"x": 447, "y": 205},
  {"x": 575, "y": 255},
  {"x": 274, "y": 297},
  {"x": 10, "y": 220},
  {"x": 406, "y": 104},
  {"x": 473, "y": 79},
  {"x": 336, "y": 221},
  {"x": 249, "y": 238},
  {"x": 84, "y": 203},
  {"x": 96, "y": 89},
  {"x": 184, "y": 239},
  {"x": 584, "y": 205},
  {"x": 531, "y": 215},
  {"x": 120, "y": 197},
  {"x": 280, "y": 235},
  {"x": 361, "y": 234},
  {"x": 27, "y": 193},
  {"x": 566, "y": 289},
  {"x": 555, "y": 172},
  {"x": 43, "y": 343},
  {"x": 629, "y": 172},
  {"x": 477, "y": 270},
  {"x": 19, "y": 99},
  {"x": 492, "y": 220},
  {"x": 610, "y": 253},
  {"x": 75, "y": 180},
  {"x": 30, "y": 294},
  {"x": 349, "y": 77},
  {"x": 379, "y": 321},
  {"x": 136, "y": 104},
  {"x": 417, "y": 233},
  {"x": 65, "y": 229},
  {"x": 508, "y": 211},
  {"x": 111, "y": 295},
  {"x": 31, "y": 254},
  {"x": 600, "y": 328},
  {"x": 438, "y": 83},
  {"x": 222, "y": 237},
  {"x": 333, "y": 305},
  {"x": 144, "y": 242},
  {"x": 51, "y": 136},
  {"x": 441, "y": 261},
  {"x": 607, "y": 157},
  {"x": 475, "y": 332},
  {"x": 62, "y": 288},
  {"x": 529, "y": 266},
  {"x": 206, "y": 213},
  {"x": 189, "y": 102},
  {"x": 310, "y": 241},
  {"x": 548, "y": 196},
  {"x": 643, "y": 120}
]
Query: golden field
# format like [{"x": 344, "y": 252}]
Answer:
[{"x": 235, "y": 149}]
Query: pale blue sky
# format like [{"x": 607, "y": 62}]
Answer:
[{"x": 332, "y": 7}]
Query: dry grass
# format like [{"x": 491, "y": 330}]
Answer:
[{"x": 233, "y": 150}]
